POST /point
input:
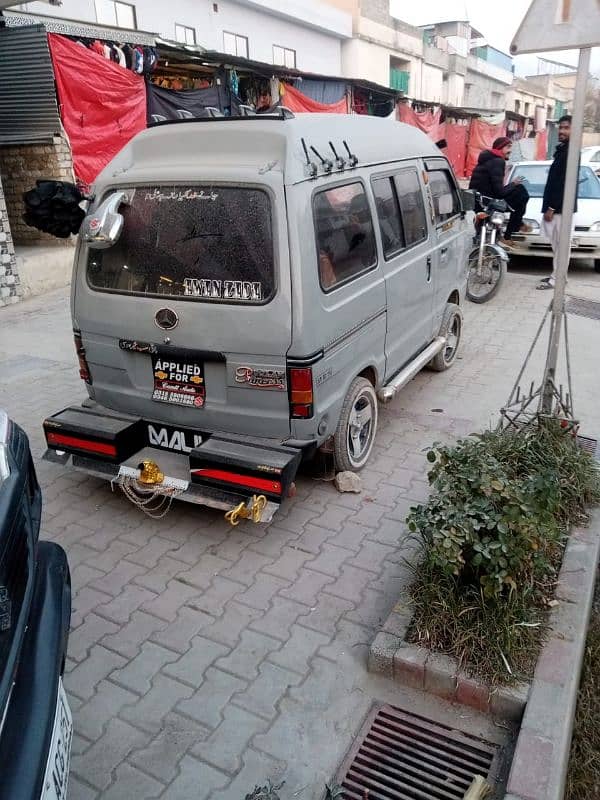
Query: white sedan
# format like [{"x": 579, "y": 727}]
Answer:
[
  {"x": 590, "y": 156},
  {"x": 585, "y": 242}
]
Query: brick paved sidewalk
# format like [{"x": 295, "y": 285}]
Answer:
[{"x": 204, "y": 660}]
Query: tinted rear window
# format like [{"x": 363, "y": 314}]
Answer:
[{"x": 210, "y": 243}]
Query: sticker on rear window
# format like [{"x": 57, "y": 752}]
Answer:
[
  {"x": 223, "y": 290},
  {"x": 181, "y": 196}
]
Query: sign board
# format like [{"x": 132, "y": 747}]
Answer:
[{"x": 558, "y": 25}]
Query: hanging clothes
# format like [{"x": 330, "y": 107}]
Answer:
[{"x": 234, "y": 82}]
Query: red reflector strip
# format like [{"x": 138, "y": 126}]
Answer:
[
  {"x": 261, "y": 484},
  {"x": 102, "y": 448}
]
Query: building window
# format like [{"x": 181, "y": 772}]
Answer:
[
  {"x": 517, "y": 106},
  {"x": 283, "y": 56},
  {"x": 235, "y": 45},
  {"x": 497, "y": 100},
  {"x": 399, "y": 74},
  {"x": 185, "y": 34},
  {"x": 113, "y": 12},
  {"x": 526, "y": 110}
]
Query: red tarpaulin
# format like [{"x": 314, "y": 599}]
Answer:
[
  {"x": 481, "y": 137},
  {"x": 427, "y": 121},
  {"x": 541, "y": 145},
  {"x": 102, "y": 105},
  {"x": 456, "y": 151},
  {"x": 300, "y": 103}
]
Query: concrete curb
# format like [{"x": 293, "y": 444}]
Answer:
[
  {"x": 436, "y": 673},
  {"x": 541, "y": 760},
  {"x": 547, "y": 707}
]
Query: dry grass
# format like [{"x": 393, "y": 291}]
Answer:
[{"x": 497, "y": 643}]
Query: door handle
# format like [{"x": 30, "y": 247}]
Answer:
[
  {"x": 443, "y": 251},
  {"x": 428, "y": 268}
]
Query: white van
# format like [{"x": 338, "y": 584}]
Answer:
[{"x": 246, "y": 289}]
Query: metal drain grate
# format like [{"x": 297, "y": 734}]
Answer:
[
  {"x": 401, "y": 756},
  {"x": 582, "y": 307},
  {"x": 591, "y": 445}
]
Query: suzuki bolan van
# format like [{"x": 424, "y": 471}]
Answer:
[{"x": 246, "y": 290}]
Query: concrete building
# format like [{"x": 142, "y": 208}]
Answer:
[
  {"x": 302, "y": 34},
  {"x": 447, "y": 63},
  {"x": 383, "y": 49}
]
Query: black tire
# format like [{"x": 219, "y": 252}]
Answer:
[
  {"x": 352, "y": 444},
  {"x": 450, "y": 329},
  {"x": 597, "y": 265},
  {"x": 482, "y": 288}
]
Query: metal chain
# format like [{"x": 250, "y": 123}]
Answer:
[{"x": 143, "y": 499}]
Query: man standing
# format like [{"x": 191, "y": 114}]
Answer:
[{"x": 553, "y": 196}]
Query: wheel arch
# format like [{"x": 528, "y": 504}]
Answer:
[{"x": 370, "y": 373}]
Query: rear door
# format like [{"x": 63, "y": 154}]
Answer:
[
  {"x": 186, "y": 320},
  {"x": 407, "y": 249}
]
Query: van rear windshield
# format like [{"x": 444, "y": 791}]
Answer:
[{"x": 207, "y": 243}]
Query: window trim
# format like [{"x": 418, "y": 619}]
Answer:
[
  {"x": 443, "y": 165},
  {"x": 133, "y": 12},
  {"x": 285, "y": 50},
  {"x": 389, "y": 176},
  {"x": 456, "y": 192},
  {"x": 82, "y": 260},
  {"x": 185, "y": 28},
  {"x": 414, "y": 168},
  {"x": 366, "y": 270},
  {"x": 236, "y": 36},
  {"x": 116, "y": 23}
]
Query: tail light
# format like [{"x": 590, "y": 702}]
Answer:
[
  {"x": 84, "y": 370},
  {"x": 70, "y": 442},
  {"x": 301, "y": 392}
]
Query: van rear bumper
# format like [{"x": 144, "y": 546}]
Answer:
[{"x": 212, "y": 469}]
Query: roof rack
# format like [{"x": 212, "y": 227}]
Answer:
[{"x": 281, "y": 113}]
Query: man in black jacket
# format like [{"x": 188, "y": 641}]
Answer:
[
  {"x": 553, "y": 196},
  {"x": 488, "y": 180}
]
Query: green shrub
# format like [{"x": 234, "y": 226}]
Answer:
[
  {"x": 492, "y": 533},
  {"x": 499, "y": 504}
]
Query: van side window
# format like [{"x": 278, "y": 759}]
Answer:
[
  {"x": 345, "y": 236},
  {"x": 412, "y": 207},
  {"x": 445, "y": 197},
  {"x": 388, "y": 213}
]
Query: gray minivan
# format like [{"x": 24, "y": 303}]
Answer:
[{"x": 245, "y": 290}]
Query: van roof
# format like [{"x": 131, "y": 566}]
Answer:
[{"x": 269, "y": 143}]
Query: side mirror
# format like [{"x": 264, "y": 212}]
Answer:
[
  {"x": 102, "y": 228},
  {"x": 468, "y": 199}
]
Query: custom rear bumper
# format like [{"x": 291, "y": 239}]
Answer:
[{"x": 217, "y": 470}]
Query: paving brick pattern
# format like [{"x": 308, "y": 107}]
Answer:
[{"x": 204, "y": 660}]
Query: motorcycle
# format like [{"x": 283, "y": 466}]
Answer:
[{"x": 487, "y": 260}]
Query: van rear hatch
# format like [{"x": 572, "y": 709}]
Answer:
[{"x": 186, "y": 319}]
